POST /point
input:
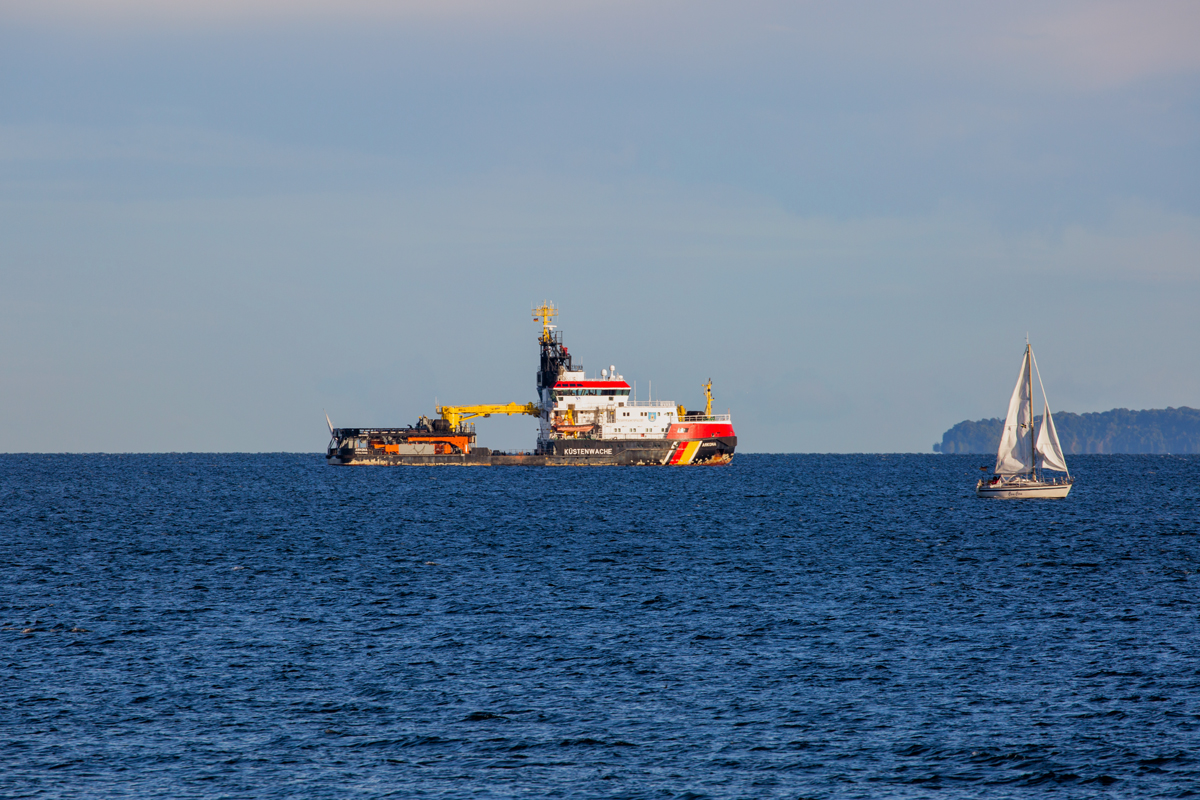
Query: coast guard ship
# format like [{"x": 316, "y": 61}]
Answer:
[{"x": 581, "y": 422}]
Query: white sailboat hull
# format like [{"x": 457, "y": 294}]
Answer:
[{"x": 1024, "y": 488}]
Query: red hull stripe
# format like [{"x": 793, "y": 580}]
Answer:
[{"x": 699, "y": 430}]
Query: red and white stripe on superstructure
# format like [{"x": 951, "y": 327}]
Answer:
[{"x": 591, "y": 385}]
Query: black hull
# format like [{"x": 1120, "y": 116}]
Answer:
[{"x": 564, "y": 453}]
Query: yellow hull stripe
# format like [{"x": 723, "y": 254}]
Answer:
[{"x": 689, "y": 452}]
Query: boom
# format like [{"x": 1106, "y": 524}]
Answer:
[{"x": 455, "y": 415}]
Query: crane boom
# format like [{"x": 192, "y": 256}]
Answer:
[{"x": 456, "y": 415}]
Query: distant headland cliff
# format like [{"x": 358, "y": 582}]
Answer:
[{"x": 1170, "y": 430}]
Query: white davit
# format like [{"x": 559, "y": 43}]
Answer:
[{"x": 1021, "y": 458}]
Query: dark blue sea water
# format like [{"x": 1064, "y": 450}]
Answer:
[{"x": 789, "y": 626}]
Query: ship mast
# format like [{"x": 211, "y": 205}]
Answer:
[
  {"x": 555, "y": 357},
  {"x": 544, "y": 313}
]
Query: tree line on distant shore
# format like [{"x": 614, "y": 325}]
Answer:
[{"x": 1169, "y": 430}]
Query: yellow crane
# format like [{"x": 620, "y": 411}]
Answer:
[{"x": 456, "y": 415}]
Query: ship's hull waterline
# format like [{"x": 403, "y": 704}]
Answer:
[{"x": 569, "y": 453}]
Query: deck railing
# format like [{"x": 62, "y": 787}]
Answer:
[{"x": 650, "y": 403}]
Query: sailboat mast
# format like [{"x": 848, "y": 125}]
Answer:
[{"x": 1029, "y": 383}]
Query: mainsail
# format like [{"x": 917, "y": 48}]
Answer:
[
  {"x": 1050, "y": 454},
  {"x": 1015, "y": 456}
]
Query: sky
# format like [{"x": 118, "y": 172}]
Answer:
[{"x": 220, "y": 221}]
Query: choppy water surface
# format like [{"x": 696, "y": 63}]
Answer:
[{"x": 789, "y": 626}]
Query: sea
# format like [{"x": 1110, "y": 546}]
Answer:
[{"x": 789, "y": 626}]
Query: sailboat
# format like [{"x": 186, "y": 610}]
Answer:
[{"x": 1021, "y": 459}]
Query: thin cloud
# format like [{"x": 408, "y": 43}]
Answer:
[
  {"x": 1105, "y": 45},
  {"x": 142, "y": 13},
  {"x": 1082, "y": 45}
]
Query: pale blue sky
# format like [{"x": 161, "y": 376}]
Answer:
[{"x": 219, "y": 219}]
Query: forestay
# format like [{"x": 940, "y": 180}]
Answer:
[{"x": 1050, "y": 454}]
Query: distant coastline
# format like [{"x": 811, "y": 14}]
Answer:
[{"x": 1157, "y": 430}]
